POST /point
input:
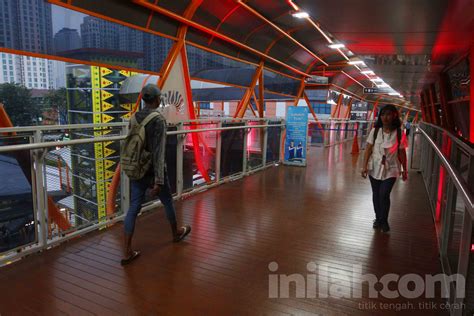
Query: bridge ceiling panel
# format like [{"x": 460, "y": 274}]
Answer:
[
  {"x": 401, "y": 41},
  {"x": 262, "y": 38},
  {"x": 175, "y": 6},
  {"x": 398, "y": 40}
]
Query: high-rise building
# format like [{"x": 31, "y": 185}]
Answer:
[
  {"x": 103, "y": 35},
  {"x": 67, "y": 39},
  {"x": 98, "y": 33},
  {"x": 27, "y": 26},
  {"x": 156, "y": 50},
  {"x": 10, "y": 68}
]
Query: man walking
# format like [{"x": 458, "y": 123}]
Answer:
[{"x": 154, "y": 169}]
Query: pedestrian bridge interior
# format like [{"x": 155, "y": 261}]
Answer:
[{"x": 282, "y": 221}]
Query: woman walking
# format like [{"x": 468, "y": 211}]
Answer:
[{"x": 385, "y": 159}]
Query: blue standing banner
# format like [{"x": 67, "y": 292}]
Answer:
[{"x": 296, "y": 136}]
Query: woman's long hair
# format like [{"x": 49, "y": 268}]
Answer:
[{"x": 396, "y": 122}]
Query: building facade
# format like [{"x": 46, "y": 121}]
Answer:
[
  {"x": 67, "y": 39},
  {"x": 27, "y": 26}
]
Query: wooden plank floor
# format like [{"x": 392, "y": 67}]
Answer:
[{"x": 291, "y": 216}]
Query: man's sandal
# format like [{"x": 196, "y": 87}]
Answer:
[
  {"x": 132, "y": 257},
  {"x": 186, "y": 231}
]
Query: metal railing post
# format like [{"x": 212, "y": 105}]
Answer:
[
  {"x": 463, "y": 263},
  {"x": 265, "y": 145},
  {"x": 281, "y": 156},
  {"x": 218, "y": 152},
  {"x": 448, "y": 217},
  {"x": 41, "y": 195},
  {"x": 179, "y": 161},
  {"x": 244, "y": 160},
  {"x": 327, "y": 134}
]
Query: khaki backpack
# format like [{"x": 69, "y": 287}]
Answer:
[{"x": 135, "y": 160}]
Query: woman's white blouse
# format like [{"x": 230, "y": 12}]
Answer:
[{"x": 386, "y": 143}]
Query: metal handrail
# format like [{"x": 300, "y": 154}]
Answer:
[
  {"x": 118, "y": 138},
  {"x": 469, "y": 150},
  {"x": 457, "y": 179},
  {"x": 232, "y": 119},
  {"x": 20, "y": 129},
  {"x": 59, "y": 144},
  {"x": 187, "y": 131}
]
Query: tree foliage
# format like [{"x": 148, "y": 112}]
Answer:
[
  {"x": 57, "y": 100},
  {"x": 18, "y": 104}
]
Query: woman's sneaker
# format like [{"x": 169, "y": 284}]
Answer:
[
  {"x": 385, "y": 228},
  {"x": 376, "y": 224}
]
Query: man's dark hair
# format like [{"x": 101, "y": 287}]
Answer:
[{"x": 150, "y": 93}]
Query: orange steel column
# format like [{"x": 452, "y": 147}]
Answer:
[
  {"x": 256, "y": 103},
  {"x": 300, "y": 92},
  {"x": 177, "y": 47},
  {"x": 165, "y": 70},
  {"x": 313, "y": 113},
  {"x": 415, "y": 119},
  {"x": 340, "y": 107},
  {"x": 261, "y": 100},
  {"x": 5, "y": 119},
  {"x": 336, "y": 109},
  {"x": 242, "y": 107},
  {"x": 407, "y": 115},
  {"x": 349, "y": 109},
  {"x": 374, "y": 109}
]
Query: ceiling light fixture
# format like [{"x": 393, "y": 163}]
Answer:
[
  {"x": 336, "y": 46},
  {"x": 367, "y": 72},
  {"x": 356, "y": 62},
  {"x": 300, "y": 14}
]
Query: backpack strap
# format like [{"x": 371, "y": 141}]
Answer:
[
  {"x": 399, "y": 136},
  {"x": 376, "y": 133},
  {"x": 150, "y": 117},
  {"x": 133, "y": 121}
]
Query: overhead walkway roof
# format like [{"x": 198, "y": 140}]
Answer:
[{"x": 406, "y": 42}]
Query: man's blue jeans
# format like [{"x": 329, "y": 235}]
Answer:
[{"x": 137, "y": 197}]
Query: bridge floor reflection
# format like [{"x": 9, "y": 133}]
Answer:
[{"x": 288, "y": 215}]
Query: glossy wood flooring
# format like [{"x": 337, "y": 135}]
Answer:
[{"x": 288, "y": 215}]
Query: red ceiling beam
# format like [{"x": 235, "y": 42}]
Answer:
[
  {"x": 222, "y": 22},
  {"x": 211, "y": 32},
  {"x": 276, "y": 27}
]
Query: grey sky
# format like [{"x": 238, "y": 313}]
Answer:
[{"x": 66, "y": 18}]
